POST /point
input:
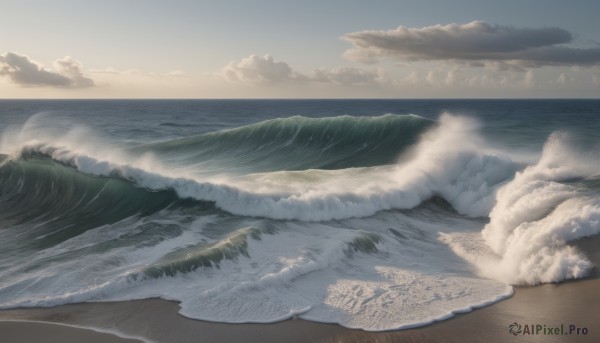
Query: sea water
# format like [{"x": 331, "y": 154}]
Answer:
[{"x": 373, "y": 214}]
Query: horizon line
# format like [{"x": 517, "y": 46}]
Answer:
[{"x": 287, "y": 99}]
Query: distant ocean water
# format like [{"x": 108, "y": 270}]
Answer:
[{"x": 373, "y": 214}]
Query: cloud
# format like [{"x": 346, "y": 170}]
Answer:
[
  {"x": 347, "y": 76},
  {"x": 260, "y": 70},
  {"x": 459, "y": 77},
  {"x": 477, "y": 43},
  {"x": 72, "y": 70},
  {"x": 176, "y": 73},
  {"x": 21, "y": 70},
  {"x": 266, "y": 70}
]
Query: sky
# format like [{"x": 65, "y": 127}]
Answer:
[{"x": 299, "y": 49}]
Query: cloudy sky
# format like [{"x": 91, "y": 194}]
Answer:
[{"x": 299, "y": 49}]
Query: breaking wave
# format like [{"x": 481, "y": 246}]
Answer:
[{"x": 331, "y": 219}]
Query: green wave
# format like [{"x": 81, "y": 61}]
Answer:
[
  {"x": 57, "y": 202},
  {"x": 298, "y": 143}
]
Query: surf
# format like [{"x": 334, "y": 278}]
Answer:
[{"x": 238, "y": 227}]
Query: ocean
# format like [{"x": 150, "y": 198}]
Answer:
[{"x": 372, "y": 214}]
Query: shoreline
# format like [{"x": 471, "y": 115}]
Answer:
[
  {"x": 573, "y": 302},
  {"x": 34, "y": 331}
]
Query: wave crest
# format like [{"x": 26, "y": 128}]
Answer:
[
  {"x": 447, "y": 162},
  {"x": 537, "y": 213}
]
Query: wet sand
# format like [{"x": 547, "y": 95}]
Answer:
[
  {"x": 568, "y": 303},
  {"x": 22, "y": 331}
]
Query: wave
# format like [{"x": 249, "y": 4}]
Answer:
[
  {"x": 60, "y": 202},
  {"x": 178, "y": 124},
  {"x": 448, "y": 162},
  {"x": 346, "y": 271},
  {"x": 347, "y": 245},
  {"x": 298, "y": 143},
  {"x": 536, "y": 214}
]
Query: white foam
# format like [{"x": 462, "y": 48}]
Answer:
[
  {"x": 535, "y": 215},
  {"x": 423, "y": 270},
  {"x": 448, "y": 162},
  {"x": 303, "y": 269},
  {"x": 90, "y": 276},
  {"x": 110, "y": 331}
]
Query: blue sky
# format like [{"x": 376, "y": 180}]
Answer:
[{"x": 271, "y": 49}]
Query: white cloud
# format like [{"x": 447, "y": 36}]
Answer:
[
  {"x": 137, "y": 73},
  {"x": 412, "y": 78},
  {"x": 72, "y": 69},
  {"x": 441, "y": 78},
  {"x": 347, "y": 76},
  {"x": 259, "y": 69},
  {"x": 434, "y": 76},
  {"x": 477, "y": 44},
  {"x": 176, "y": 73},
  {"x": 562, "y": 79},
  {"x": 67, "y": 73},
  {"x": 529, "y": 80},
  {"x": 267, "y": 70},
  {"x": 459, "y": 78},
  {"x": 447, "y": 77}
]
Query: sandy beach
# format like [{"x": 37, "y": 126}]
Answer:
[
  {"x": 27, "y": 331},
  {"x": 155, "y": 320}
]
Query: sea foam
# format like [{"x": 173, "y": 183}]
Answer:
[
  {"x": 365, "y": 247},
  {"x": 537, "y": 213},
  {"x": 448, "y": 162}
]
